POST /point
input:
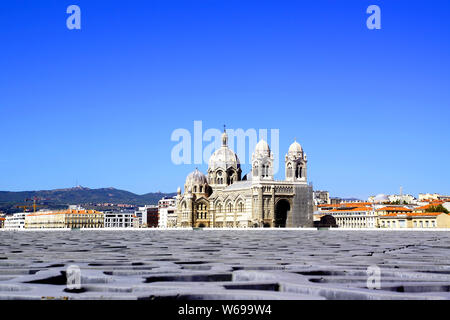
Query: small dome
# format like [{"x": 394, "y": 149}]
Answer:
[
  {"x": 262, "y": 148},
  {"x": 380, "y": 198},
  {"x": 196, "y": 177},
  {"x": 295, "y": 148}
]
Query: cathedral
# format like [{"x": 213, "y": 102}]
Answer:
[{"x": 224, "y": 199}]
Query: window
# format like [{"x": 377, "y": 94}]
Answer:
[{"x": 255, "y": 169}]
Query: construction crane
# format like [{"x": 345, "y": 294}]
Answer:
[{"x": 34, "y": 205}]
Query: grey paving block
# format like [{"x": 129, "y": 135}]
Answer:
[{"x": 224, "y": 264}]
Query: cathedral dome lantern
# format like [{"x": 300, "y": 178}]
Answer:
[{"x": 224, "y": 166}]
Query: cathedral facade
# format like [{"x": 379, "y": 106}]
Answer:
[{"x": 222, "y": 199}]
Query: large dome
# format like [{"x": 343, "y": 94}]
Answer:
[{"x": 224, "y": 157}]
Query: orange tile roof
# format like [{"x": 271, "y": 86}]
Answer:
[
  {"x": 68, "y": 211},
  {"x": 347, "y": 204},
  {"x": 413, "y": 214},
  {"x": 352, "y": 209},
  {"x": 390, "y": 208},
  {"x": 360, "y": 204},
  {"x": 2, "y": 218}
]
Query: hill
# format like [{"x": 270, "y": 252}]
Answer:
[{"x": 77, "y": 195}]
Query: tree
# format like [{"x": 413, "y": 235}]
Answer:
[{"x": 438, "y": 208}]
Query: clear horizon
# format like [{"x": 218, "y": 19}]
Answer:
[{"x": 96, "y": 107}]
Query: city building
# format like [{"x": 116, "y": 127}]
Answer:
[
  {"x": 70, "y": 218},
  {"x": 167, "y": 202},
  {"x": 354, "y": 216},
  {"x": 402, "y": 198},
  {"x": 321, "y": 197},
  {"x": 415, "y": 220},
  {"x": 2, "y": 222},
  {"x": 224, "y": 199},
  {"x": 148, "y": 216},
  {"x": 15, "y": 221},
  {"x": 428, "y": 196},
  {"x": 167, "y": 212},
  {"x": 384, "y": 210},
  {"x": 120, "y": 220}
]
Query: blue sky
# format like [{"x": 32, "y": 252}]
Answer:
[{"x": 97, "y": 106}]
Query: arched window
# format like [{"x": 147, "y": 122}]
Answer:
[
  {"x": 202, "y": 211},
  {"x": 255, "y": 169},
  {"x": 300, "y": 172},
  {"x": 195, "y": 188},
  {"x": 219, "y": 177}
]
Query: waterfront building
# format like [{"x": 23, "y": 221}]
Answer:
[
  {"x": 15, "y": 221},
  {"x": 70, "y": 218},
  {"x": 224, "y": 199},
  {"x": 354, "y": 216},
  {"x": 415, "y": 220},
  {"x": 120, "y": 220}
]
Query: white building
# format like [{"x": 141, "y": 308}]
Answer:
[
  {"x": 355, "y": 216},
  {"x": 167, "y": 217},
  {"x": 402, "y": 198},
  {"x": 167, "y": 202},
  {"x": 321, "y": 197},
  {"x": 120, "y": 220},
  {"x": 16, "y": 220}
]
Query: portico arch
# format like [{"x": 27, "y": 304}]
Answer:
[{"x": 282, "y": 209}]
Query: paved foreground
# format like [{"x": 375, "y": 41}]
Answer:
[{"x": 213, "y": 264}]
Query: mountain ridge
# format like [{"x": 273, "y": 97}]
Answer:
[{"x": 77, "y": 195}]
